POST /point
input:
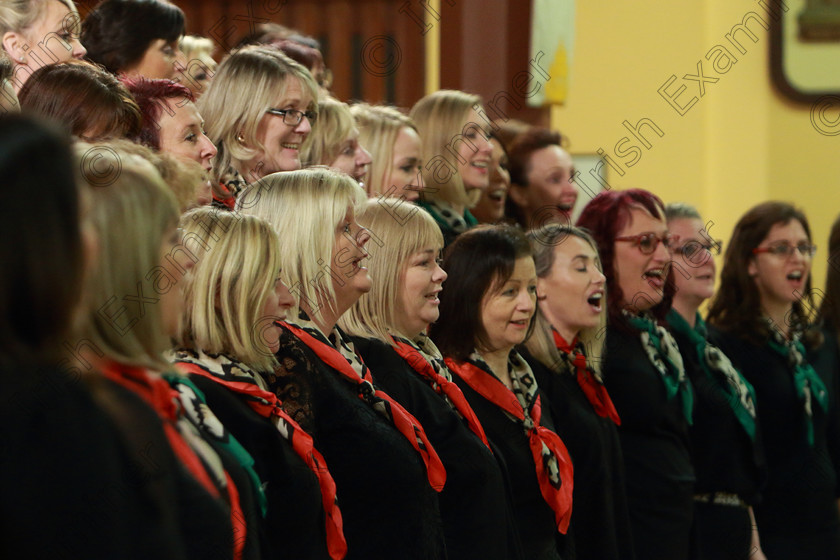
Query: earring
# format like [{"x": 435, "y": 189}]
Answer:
[{"x": 240, "y": 138}]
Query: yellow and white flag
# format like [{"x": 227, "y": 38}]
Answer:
[{"x": 552, "y": 41}]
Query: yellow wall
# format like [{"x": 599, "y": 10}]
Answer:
[{"x": 740, "y": 144}]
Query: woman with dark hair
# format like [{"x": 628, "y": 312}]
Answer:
[
  {"x": 486, "y": 311},
  {"x": 58, "y": 442},
  {"x": 643, "y": 370},
  {"x": 541, "y": 186},
  {"x": 490, "y": 208},
  {"x": 134, "y": 37},
  {"x": 387, "y": 473},
  {"x": 829, "y": 315},
  {"x": 564, "y": 354},
  {"x": 388, "y": 328},
  {"x": 726, "y": 446},
  {"x": 89, "y": 102},
  {"x": 761, "y": 317}
]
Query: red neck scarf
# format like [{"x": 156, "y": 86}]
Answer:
[
  {"x": 380, "y": 401},
  {"x": 162, "y": 398},
  {"x": 267, "y": 405},
  {"x": 441, "y": 385},
  {"x": 555, "y": 473},
  {"x": 594, "y": 389}
]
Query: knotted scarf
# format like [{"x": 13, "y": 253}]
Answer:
[
  {"x": 738, "y": 392},
  {"x": 425, "y": 358},
  {"x": 664, "y": 354},
  {"x": 248, "y": 384},
  {"x": 555, "y": 473},
  {"x": 809, "y": 385},
  {"x": 574, "y": 356},
  {"x": 341, "y": 357}
]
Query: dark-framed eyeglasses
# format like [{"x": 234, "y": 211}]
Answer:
[
  {"x": 693, "y": 248},
  {"x": 648, "y": 242},
  {"x": 292, "y": 117},
  {"x": 786, "y": 250}
]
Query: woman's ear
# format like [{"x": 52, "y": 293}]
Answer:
[{"x": 13, "y": 44}]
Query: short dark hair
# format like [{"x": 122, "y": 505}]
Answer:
[
  {"x": 82, "y": 97},
  {"x": 519, "y": 153},
  {"x": 606, "y": 215},
  {"x": 150, "y": 95},
  {"x": 117, "y": 33},
  {"x": 477, "y": 262},
  {"x": 736, "y": 307},
  {"x": 42, "y": 255}
]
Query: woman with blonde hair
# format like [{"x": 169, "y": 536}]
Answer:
[
  {"x": 233, "y": 298},
  {"x": 258, "y": 111},
  {"x": 386, "y": 470},
  {"x": 133, "y": 308},
  {"x": 50, "y": 25},
  {"x": 388, "y": 328},
  {"x": 456, "y": 156},
  {"x": 565, "y": 354},
  {"x": 395, "y": 148},
  {"x": 335, "y": 141},
  {"x": 194, "y": 64}
]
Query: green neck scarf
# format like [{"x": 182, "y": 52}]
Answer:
[
  {"x": 738, "y": 393},
  {"x": 664, "y": 354}
]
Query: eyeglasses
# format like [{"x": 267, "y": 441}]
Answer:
[
  {"x": 693, "y": 248},
  {"x": 648, "y": 242},
  {"x": 292, "y": 117},
  {"x": 786, "y": 250}
]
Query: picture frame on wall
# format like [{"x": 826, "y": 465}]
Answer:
[{"x": 805, "y": 49}]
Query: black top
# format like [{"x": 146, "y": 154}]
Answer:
[
  {"x": 294, "y": 523},
  {"x": 724, "y": 456},
  {"x": 473, "y": 504},
  {"x": 600, "y": 519},
  {"x": 534, "y": 517},
  {"x": 655, "y": 445},
  {"x": 388, "y": 507},
  {"x": 800, "y": 499},
  {"x": 80, "y": 482}
]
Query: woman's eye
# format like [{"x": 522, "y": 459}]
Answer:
[{"x": 532, "y": 289}]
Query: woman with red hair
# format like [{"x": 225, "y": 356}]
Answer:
[{"x": 643, "y": 370}]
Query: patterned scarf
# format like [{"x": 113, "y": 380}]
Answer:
[
  {"x": 251, "y": 388},
  {"x": 445, "y": 216},
  {"x": 574, "y": 356},
  {"x": 739, "y": 394},
  {"x": 341, "y": 356},
  {"x": 555, "y": 473},
  {"x": 664, "y": 354},
  {"x": 425, "y": 358},
  {"x": 809, "y": 385},
  {"x": 194, "y": 453}
]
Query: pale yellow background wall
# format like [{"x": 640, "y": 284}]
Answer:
[{"x": 741, "y": 144}]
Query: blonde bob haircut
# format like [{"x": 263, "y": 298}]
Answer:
[
  {"x": 379, "y": 126},
  {"x": 541, "y": 343},
  {"x": 335, "y": 123},
  {"x": 226, "y": 290},
  {"x": 20, "y": 15},
  {"x": 442, "y": 120},
  {"x": 400, "y": 230},
  {"x": 132, "y": 211},
  {"x": 246, "y": 84},
  {"x": 305, "y": 207}
]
